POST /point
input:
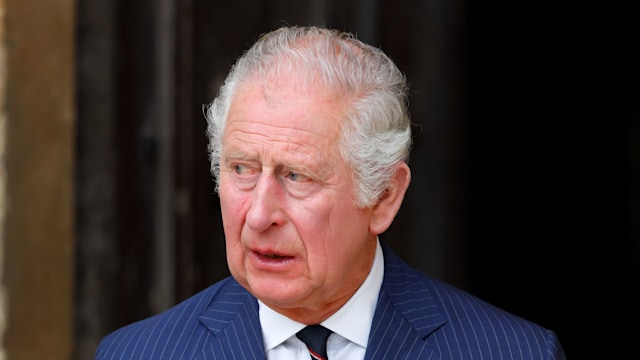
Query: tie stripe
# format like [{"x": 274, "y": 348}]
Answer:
[
  {"x": 315, "y": 337},
  {"x": 315, "y": 356}
]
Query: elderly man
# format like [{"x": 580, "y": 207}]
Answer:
[{"x": 309, "y": 139}]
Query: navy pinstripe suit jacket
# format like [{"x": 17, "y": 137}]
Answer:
[{"x": 417, "y": 317}]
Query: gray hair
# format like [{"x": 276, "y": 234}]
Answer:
[{"x": 377, "y": 136}]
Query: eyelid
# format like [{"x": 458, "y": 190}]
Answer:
[
  {"x": 232, "y": 163},
  {"x": 302, "y": 176},
  {"x": 252, "y": 167},
  {"x": 303, "y": 172}
]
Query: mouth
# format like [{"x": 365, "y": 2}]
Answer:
[
  {"x": 271, "y": 255},
  {"x": 271, "y": 258},
  {"x": 275, "y": 256}
]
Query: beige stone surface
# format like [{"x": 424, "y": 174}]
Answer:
[
  {"x": 3, "y": 181},
  {"x": 37, "y": 235}
]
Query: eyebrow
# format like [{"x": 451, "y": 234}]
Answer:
[{"x": 317, "y": 171}]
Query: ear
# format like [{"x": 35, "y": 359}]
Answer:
[{"x": 385, "y": 210}]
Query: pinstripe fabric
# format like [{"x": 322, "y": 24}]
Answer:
[
  {"x": 220, "y": 322},
  {"x": 417, "y": 317}
]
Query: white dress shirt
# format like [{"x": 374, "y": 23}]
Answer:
[{"x": 350, "y": 324}]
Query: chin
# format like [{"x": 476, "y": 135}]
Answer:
[{"x": 280, "y": 295}]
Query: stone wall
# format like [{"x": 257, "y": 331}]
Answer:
[
  {"x": 3, "y": 177},
  {"x": 36, "y": 173}
]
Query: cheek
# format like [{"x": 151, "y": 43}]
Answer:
[
  {"x": 232, "y": 220},
  {"x": 323, "y": 237},
  {"x": 232, "y": 207},
  {"x": 231, "y": 200},
  {"x": 349, "y": 232}
]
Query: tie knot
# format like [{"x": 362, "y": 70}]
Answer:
[{"x": 315, "y": 337}]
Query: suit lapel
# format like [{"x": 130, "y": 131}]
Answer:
[
  {"x": 405, "y": 315},
  {"x": 235, "y": 326}
]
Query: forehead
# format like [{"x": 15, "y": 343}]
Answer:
[{"x": 282, "y": 113}]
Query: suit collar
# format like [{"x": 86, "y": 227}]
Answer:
[
  {"x": 405, "y": 316},
  {"x": 234, "y": 323},
  {"x": 410, "y": 296}
]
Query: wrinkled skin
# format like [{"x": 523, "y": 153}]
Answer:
[{"x": 294, "y": 237}]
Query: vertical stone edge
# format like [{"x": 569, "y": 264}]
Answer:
[{"x": 2, "y": 179}]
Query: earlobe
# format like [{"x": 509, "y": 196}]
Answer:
[{"x": 385, "y": 210}]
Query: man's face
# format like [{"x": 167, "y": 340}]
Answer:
[{"x": 294, "y": 237}]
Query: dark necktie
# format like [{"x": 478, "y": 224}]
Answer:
[{"x": 315, "y": 337}]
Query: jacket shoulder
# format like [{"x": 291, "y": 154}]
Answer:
[
  {"x": 174, "y": 333},
  {"x": 470, "y": 326}
]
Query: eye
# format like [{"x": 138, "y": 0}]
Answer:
[
  {"x": 242, "y": 170},
  {"x": 300, "y": 185},
  {"x": 244, "y": 175},
  {"x": 297, "y": 177}
]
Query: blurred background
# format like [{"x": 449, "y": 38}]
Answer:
[{"x": 526, "y": 159}]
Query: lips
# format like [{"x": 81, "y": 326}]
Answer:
[
  {"x": 271, "y": 255},
  {"x": 270, "y": 259},
  {"x": 275, "y": 256}
]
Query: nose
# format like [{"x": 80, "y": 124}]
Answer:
[{"x": 266, "y": 204}]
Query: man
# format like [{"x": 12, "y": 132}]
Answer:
[{"x": 309, "y": 139}]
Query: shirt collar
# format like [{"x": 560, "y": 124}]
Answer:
[{"x": 347, "y": 322}]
